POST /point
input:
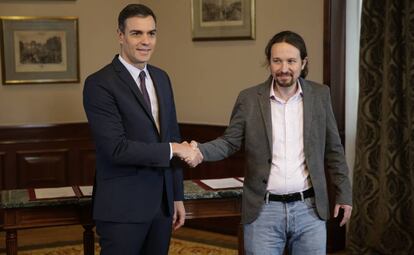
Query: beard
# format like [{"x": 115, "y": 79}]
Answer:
[{"x": 284, "y": 80}]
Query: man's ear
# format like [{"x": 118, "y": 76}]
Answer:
[
  {"x": 304, "y": 62},
  {"x": 120, "y": 35}
]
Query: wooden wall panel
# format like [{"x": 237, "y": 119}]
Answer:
[
  {"x": 334, "y": 77},
  {"x": 232, "y": 166},
  {"x": 64, "y": 154},
  {"x": 47, "y": 168},
  {"x": 44, "y": 155},
  {"x": 87, "y": 166},
  {"x": 1, "y": 168}
]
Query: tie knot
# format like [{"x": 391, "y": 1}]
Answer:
[{"x": 142, "y": 75}]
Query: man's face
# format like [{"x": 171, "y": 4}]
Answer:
[
  {"x": 138, "y": 40},
  {"x": 285, "y": 64}
]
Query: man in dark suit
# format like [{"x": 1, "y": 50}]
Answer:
[
  {"x": 130, "y": 108},
  {"x": 290, "y": 137}
]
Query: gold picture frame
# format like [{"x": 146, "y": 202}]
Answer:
[
  {"x": 39, "y": 50},
  {"x": 223, "y": 19}
]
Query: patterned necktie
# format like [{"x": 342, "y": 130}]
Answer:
[{"x": 144, "y": 89}]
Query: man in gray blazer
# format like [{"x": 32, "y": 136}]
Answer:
[{"x": 290, "y": 138}]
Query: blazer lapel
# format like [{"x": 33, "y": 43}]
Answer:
[
  {"x": 307, "y": 111},
  {"x": 264, "y": 102},
  {"x": 126, "y": 78}
]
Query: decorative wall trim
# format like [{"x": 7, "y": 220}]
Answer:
[{"x": 43, "y": 133}]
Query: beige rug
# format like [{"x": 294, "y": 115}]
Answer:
[{"x": 177, "y": 247}]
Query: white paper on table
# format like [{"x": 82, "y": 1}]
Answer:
[
  {"x": 86, "y": 190},
  {"x": 54, "y": 192},
  {"x": 223, "y": 183}
]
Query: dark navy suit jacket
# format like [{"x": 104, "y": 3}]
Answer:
[{"x": 133, "y": 164}]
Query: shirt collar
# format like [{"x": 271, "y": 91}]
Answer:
[
  {"x": 298, "y": 91},
  {"x": 134, "y": 71}
]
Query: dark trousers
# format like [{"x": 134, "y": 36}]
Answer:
[{"x": 144, "y": 238}]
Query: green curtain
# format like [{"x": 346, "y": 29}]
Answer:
[{"x": 383, "y": 179}]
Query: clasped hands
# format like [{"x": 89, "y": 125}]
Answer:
[{"x": 188, "y": 152}]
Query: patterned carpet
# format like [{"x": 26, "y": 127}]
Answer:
[{"x": 177, "y": 247}]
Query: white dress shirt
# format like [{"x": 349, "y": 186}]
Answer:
[{"x": 288, "y": 172}]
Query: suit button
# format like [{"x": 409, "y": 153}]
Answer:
[
  {"x": 269, "y": 161},
  {"x": 264, "y": 181}
]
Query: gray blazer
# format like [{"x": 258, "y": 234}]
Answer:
[{"x": 251, "y": 126}]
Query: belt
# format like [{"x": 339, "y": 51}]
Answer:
[{"x": 292, "y": 197}]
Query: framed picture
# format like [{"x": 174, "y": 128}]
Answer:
[
  {"x": 39, "y": 50},
  {"x": 223, "y": 19}
]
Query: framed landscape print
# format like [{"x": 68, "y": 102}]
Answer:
[
  {"x": 39, "y": 50},
  {"x": 223, "y": 19}
]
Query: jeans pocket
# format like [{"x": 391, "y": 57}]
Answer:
[{"x": 310, "y": 202}]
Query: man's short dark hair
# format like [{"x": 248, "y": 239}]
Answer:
[
  {"x": 134, "y": 10},
  {"x": 293, "y": 39}
]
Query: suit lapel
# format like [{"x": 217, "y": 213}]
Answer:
[
  {"x": 264, "y": 102},
  {"x": 127, "y": 79},
  {"x": 307, "y": 111}
]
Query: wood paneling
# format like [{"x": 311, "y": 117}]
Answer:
[
  {"x": 334, "y": 77},
  {"x": 1, "y": 168},
  {"x": 64, "y": 154},
  {"x": 46, "y": 155},
  {"x": 232, "y": 166},
  {"x": 47, "y": 168},
  {"x": 87, "y": 165},
  {"x": 334, "y": 57}
]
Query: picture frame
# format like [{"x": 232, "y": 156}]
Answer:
[
  {"x": 223, "y": 19},
  {"x": 39, "y": 50}
]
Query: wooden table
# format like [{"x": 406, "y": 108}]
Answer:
[{"x": 22, "y": 213}]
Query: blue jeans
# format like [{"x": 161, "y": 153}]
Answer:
[{"x": 295, "y": 225}]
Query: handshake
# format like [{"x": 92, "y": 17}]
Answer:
[{"x": 188, "y": 152}]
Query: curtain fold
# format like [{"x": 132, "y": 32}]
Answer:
[{"x": 383, "y": 179}]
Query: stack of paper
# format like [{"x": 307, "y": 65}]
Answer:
[{"x": 223, "y": 183}]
